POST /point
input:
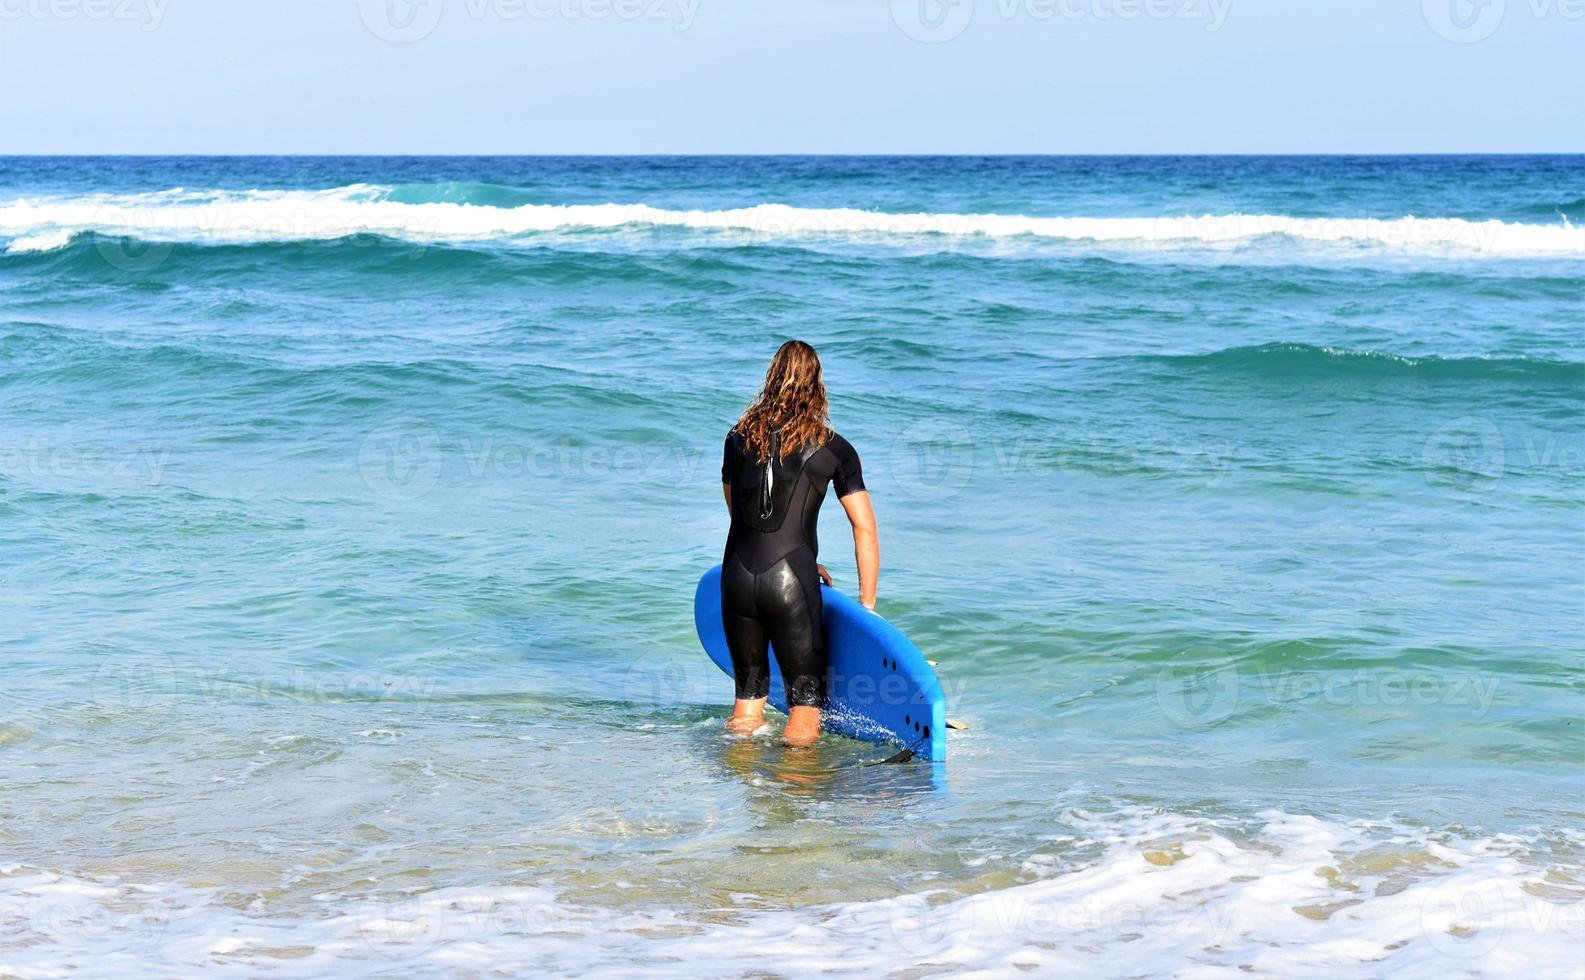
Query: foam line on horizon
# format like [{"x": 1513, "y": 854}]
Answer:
[{"x": 225, "y": 217}]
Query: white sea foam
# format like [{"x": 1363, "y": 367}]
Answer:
[
  {"x": 1156, "y": 895},
  {"x": 274, "y": 216},
  {"x": 47, "y": 241}
]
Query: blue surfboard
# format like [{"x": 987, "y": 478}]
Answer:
[{"x": 879, "y": 687}]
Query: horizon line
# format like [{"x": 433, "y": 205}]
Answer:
[{"x": 775, "y": 155}]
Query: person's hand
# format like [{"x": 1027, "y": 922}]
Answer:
[{"x": 825, "y": 576}]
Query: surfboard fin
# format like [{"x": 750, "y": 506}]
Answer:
[{"x": 902, "y": 756}]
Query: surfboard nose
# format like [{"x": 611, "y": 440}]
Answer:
[{"x": 880, "y": 688}]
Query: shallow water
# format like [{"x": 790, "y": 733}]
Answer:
[{"x": 350, "y": 512}]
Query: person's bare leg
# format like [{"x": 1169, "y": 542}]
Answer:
[
  {"x": 803, "y": 727},
  {"x": 747, "y": 716}
]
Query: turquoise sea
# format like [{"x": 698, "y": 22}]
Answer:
[{"x": 351, "y": 510}]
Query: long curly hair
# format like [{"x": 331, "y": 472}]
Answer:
[{"x": 793, "y": 400}]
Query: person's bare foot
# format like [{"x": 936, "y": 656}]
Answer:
[
  {"x": 803, "y": 727},
  {"x": 747, "y": 717}
]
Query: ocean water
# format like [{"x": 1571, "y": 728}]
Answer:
[{"x": 351, "y": 509}]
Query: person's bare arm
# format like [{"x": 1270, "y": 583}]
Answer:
[{"x": 866, "y": 544}]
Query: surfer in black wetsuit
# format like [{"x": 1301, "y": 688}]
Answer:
[{"x": 778, "y": 460}]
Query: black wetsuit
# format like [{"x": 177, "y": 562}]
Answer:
[{"x": 770, "y": 590}]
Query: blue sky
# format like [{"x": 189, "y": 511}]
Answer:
[{"x": 765, "y": 76}]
